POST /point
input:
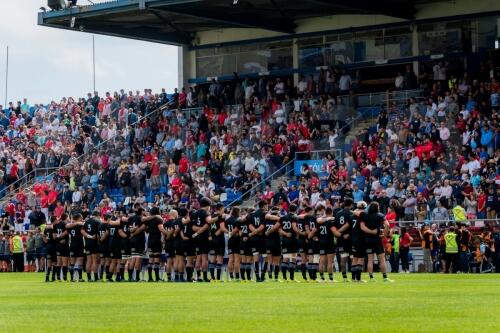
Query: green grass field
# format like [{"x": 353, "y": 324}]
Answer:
[{"x": 414, "y": 303}]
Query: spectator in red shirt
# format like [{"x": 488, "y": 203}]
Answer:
[
  {"x": 404, "y": 249},
  {"x": 183, "y": 164},
  {"x": 59, "y": 210}
]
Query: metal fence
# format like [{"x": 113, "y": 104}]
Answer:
[
  {"x": 382, "y": 98},
  {"x": 284, "y": 170},
  {"x": 442, "y": 223}
]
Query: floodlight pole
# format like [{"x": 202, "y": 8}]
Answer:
[
  {"x": 93, "y": 60},
  {"x": 6, "y": 77}
]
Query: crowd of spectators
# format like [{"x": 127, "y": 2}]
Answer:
[
  {"x": 432, "y": 161},
  {"x": 421, "y": 162},
  {"x": 111, "y": 151}
]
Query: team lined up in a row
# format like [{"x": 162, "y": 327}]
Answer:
[{"x": 192, "y": 244}]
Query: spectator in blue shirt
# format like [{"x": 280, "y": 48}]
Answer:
[
  {"x": 359, "y": 179},
  {"x": 385, "y": 179},
  {"x": 487, "y": 138},
  {"x": 357, "y": 193},
  {"x": 471, "y": 104},
  {"x": 293, "y": 195}
]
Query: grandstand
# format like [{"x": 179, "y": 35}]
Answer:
[{"x": 262, "y": 40}]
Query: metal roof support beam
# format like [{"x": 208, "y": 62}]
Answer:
[
  {"x": 140, "y": 33},
  {"x": 281, "y": 25},
  {"x": 403, "y": 10},
  {"x": 183, "y": 34}
]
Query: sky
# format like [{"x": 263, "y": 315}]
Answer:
[{"x": 47, "y": 64}]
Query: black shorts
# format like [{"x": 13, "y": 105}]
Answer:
[
  {"x": 258, "y": 245},
  {"x": 177, "y": 246},
  {"x": 154, "y": 246},
  {"x": 76, "y": 251},
  {"x": 301, "y": 245},
  {"x": 50, "y": 253},
  {"x": 115, "y": 251},
  {"x": 62, "y": 250},
  {"x": 326, "y": 246},
  {"x": 288, "y": 245},
  {"x": 125, "y": 248},
  {"x": 104, "y": 251},
  {"x": 91, "y": 246},
  {"x": 273, "y": 247},
  {"x": 358, "y": 249},
  {"x": 40, "y": 252},
  {"x": 374, "y": 246},
  {"x": 312, "y": 247},
  {"x": 201, "y": 245},
  {"x": 30, "y": 256},
  {"x": 234, "y": 245},
  {"x": 344, "y": 245},
  {"x": 169, "y": 249},
  {"x": 137, "y": 246},
  {"x": 188, "y": 248},
  {"x": 246, "y": 248},
  {"x": 218, "y": 246}
]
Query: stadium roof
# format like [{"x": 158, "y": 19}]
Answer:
[{"x": 177, "y": 21}]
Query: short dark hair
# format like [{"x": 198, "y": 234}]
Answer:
[{"x": 205, "y": 202}]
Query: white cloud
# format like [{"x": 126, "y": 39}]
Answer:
[{"x": 47, "y": 64}]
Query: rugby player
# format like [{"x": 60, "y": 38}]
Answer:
[
  {"x": 169, "y": 226},
  {"x": 177, "y": 244},
  {"x": 114, "y": 245},
  {"x": 341, "y": 230},
  {"x": 312, "y": 242},
  {"x": 91, "y": 233},
  {"x": 62, "y": 247},
  {"x": 50, "y": 254},
  {"x": 137, "y": 242},
  {"x": 375, "y": 226},
  {"x": 272, "y": 242},
  {"x": 302, "y": 230},
  {"x": 326, "y": 244},
  {"x": 232, "y": 225},
  {"x": 125, "y": 249},
  {"x": 255, "y": 237},
  {"x": 288, "y": 231},
  {"x": 217, "y": 242},
  {"x": 155, "y": 230},
  {"x": 200, "y": 227},
  {"x": 358, "y": 242},
  {"x": 74, "y": 228},
  {"x": 187, "y": 244},
  {"x": 246, "y": 247},
  {"x": 104, "y": 257}
]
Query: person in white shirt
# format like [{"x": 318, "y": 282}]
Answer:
[
  {"x": 279, "y": 88},
  {"x": 77, "y": 196},
  {"x": 249, "y": 162},
  {"x": 473, "y": 165},
  {"x": 279, "y": 115},
  {"x": 302, "y": 86},
  {"x": 399, "y": 81},
  {"x": 414, "y": 163},
  {"x": 442, "y": 108},
  {"x": 332, "y": 137},
  {"x": 446, "y": 189},
  {"x": 315, "y": 197},
  {"x": 249, "y": 90},
  {"x": 178, "y": 145},
  {"x": 345, "y": 82},
  {"x": 444, "y": 132}
]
